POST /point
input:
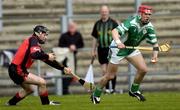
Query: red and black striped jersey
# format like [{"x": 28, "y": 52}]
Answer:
[{"x": 27, "y": 52}]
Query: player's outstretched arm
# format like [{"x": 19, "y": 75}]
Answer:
[
  {"x": 116, "y": 38},
  {"x": 39, "y": 55},
  {"x": 55, "y": 64}
]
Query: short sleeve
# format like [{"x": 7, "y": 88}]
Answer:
[
  {"x": 115, "y": 24},
  {"x": 124, "y": 27},
  {"x": 34, "y": 45},
  {"x": 94, "y": 31}
]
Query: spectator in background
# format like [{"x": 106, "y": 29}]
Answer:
[
  {"x": 102, "y": 38},
  {"x": 73, "y": 40}
]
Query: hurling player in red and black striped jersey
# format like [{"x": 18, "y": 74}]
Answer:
[{"x": 29, "y": 51}]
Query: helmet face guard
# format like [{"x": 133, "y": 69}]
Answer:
[{"x": 40, "y": 29}]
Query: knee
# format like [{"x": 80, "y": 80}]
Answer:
[
  {"x": 104, "y": 72},
  {"x": 29, "y": 91},
  {"x": 42, "y": 82},
  {"x": 143, "y": 70},
  {"x": 109, "y": 76}
]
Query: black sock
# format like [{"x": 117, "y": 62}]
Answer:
[
  {"x": 107, "y": 85},
  {"x": 44, "y": 98},
  {"x": 15, "y": 99},
  {"x": 114, "y": 83}
]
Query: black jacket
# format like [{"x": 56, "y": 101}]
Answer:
[{"x": 66, "y": 40}]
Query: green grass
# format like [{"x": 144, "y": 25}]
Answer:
[{"x": 155, "y": 101}]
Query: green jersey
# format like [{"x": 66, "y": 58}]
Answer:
[{"x": 133, "y": 33}]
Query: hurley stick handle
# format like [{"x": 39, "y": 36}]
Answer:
[{"x": 92, "y": 60}]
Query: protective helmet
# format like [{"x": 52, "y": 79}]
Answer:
[
  {"x": 40, "y": 29},
  {"x": 145, "y": 9}
]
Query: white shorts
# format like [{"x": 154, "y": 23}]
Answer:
[{"x": 114, "y": 59}]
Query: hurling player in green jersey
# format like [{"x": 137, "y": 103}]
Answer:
[{"x": 130, "y": 33}]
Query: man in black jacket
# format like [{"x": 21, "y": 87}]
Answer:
[{"x": 73, "y": 40}]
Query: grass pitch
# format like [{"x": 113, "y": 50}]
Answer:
[{"x": 155, "y": 101}]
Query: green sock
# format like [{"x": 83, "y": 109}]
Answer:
[
  {"x": 134, "y": 87},
  {"x": 97, "y": 92}
]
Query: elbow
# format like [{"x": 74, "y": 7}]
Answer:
[
  {"x": 39, "y": 56},
  {"x": 114, "y": 30},
  {"x": 33, "y": 56}
]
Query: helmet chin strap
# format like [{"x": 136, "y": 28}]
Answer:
[{"x": 37, "y": 34}]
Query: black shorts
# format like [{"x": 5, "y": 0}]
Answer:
[
  {"x": 103, "y": 55},
  {"x": 18, "y": 78}
]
